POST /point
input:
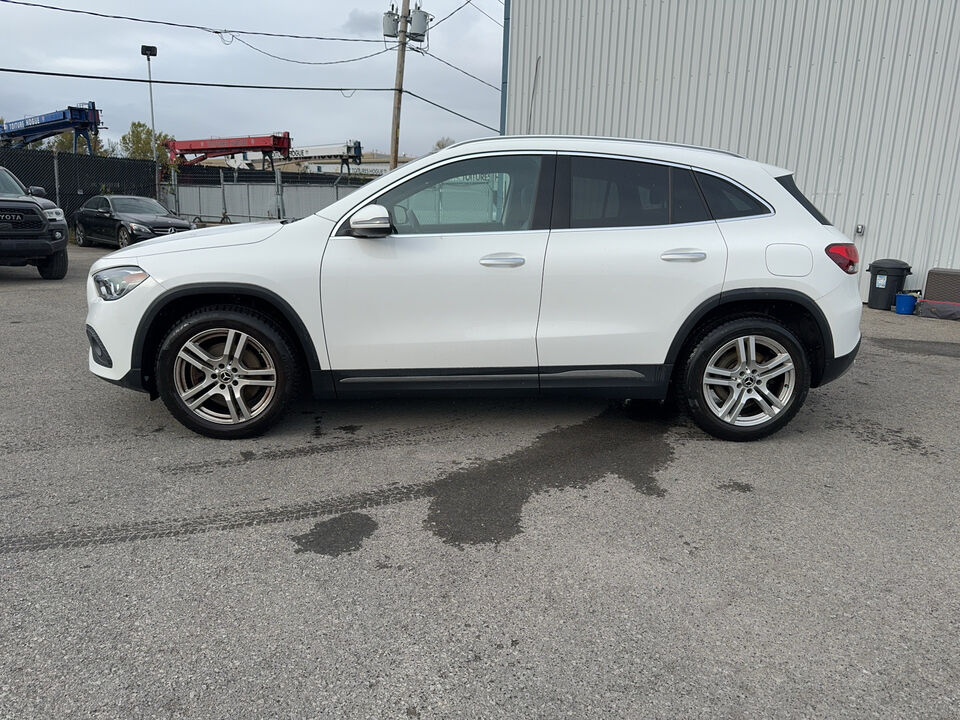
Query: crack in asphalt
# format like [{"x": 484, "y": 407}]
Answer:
[{"x": 468, "y": 506}]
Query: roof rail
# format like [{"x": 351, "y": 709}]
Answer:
[{"x": 638, "y": 141}]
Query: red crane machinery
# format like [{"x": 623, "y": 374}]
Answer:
[{"x": 219, "y": 147}]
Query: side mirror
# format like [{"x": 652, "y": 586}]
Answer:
[
  {"x": 372, "y": 221},
  {"x": 37, "y": 190}
]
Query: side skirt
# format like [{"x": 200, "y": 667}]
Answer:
[{"x": 609, "y": 381}]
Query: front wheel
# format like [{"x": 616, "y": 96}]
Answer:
[
  {"x": 80, "y": 236},
  {"x": 226, "y": 372},
  {"x": 54, "y": 267},
  {"x": 745, "y": 379},
  {"x": 123, "y": 237}
]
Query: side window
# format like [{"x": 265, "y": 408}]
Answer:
[
  {"x": 92, "y": 203},
  {"x": 103, "y": 204},
  {"x": 617, "y": 193},
  {"x": 487, "y": 194},
  {"x": 727, "y": 200},
  {"x": 686, "y": 201},
  {"x": 605, "y": 192}
]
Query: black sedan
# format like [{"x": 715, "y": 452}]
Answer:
[{"x": 124, "y": 219}]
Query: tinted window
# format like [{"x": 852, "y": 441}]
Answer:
[
  {"x": 604, "y": 192},
  {"x": 103, "y": 204},
  {"x": 478, "y": 195},
  {"x": 726, "y": 200},
  {"x": 686, "y": 201},
  {"x": 91, "y": 204},
  {"x": 618, "y": 193},
  {"x": 9, "y": 184},
  {"x": 791, "y": 187},
  {"x": 135, "y": 205}
]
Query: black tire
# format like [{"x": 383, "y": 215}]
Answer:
[
  {"x": 80, "y": 236},
  {"x": 124, "y": 238},
  {"x": 736, "y": 411},
  {"x": 55, "y": 266},
  {"x": 270, "y": 351}
]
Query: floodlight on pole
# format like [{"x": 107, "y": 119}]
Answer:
[{"x": 149, "y": 51}]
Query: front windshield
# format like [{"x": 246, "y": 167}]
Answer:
[
  {"x": 9, "y": 184},
  {"x": 138, "y": 206}
]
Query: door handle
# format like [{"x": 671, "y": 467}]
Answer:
[
  {"x": 684, "y": 255},
  {"x": 502, "y": 260}
]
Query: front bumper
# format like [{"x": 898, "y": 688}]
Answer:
[
  {"x": 114, "y": 324},
  {"x": 19, "y": 249}
]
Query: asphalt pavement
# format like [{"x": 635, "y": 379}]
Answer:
[{"x": 475, "y": 558}]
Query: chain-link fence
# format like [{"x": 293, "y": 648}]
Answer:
[
  {"x": 224, "y": 195},
  {"x": 200, "y": 193},
  {"x": 71, "y": 179}
]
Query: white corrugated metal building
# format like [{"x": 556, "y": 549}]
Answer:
[{"x": 860, "y": 97}]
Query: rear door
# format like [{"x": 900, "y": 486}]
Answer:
[{"x": 633, "y": 251}]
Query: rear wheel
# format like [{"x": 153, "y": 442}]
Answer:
[
  {"x": 226, "y": 372},
  {"x": 54, "y": 267},
  {"x": 745, "y": 379}
]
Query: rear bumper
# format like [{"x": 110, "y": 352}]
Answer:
[{"x": 833, "y": 369}]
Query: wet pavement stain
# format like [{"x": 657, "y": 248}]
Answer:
[
  {"x": 734, "y": 486},
  {"x": 470, "y": 505},
  {"x": 483, "y": 504},
  {"x": 873, "y": 433},
  {"x": 336, "y": 536},
  {"x": 349, "y": 429},
  {"x": 920, "y": 347}
]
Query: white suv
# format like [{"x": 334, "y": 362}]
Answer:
[{"x": 519, "y": 264}]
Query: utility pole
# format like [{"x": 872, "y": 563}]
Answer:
[{"x": 398, "y": 84}]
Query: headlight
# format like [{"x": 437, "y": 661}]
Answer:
[
  {"x": 117, "y": 282},
  {"x": 138, "y": 228},
  {"x": 54, "y": 214}
]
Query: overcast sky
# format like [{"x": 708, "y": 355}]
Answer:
[{"x": 39, "y": 39}]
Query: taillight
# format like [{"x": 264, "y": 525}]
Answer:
[{"x": 845, "y": 255}]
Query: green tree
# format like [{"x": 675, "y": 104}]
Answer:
[
  {"x": 135, "y": 143},
  {"x": 64, "y": 143}
]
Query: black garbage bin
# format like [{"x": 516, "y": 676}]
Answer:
[{"x": 886, "y": 280}]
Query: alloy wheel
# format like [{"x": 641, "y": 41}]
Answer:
[
  {"x": 749, "y": 380},
  {"x": 225, "y": 376}
]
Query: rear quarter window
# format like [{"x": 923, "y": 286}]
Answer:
[
  {"x": 790, "y": 185},
  {"x": 726, "y": 200}
]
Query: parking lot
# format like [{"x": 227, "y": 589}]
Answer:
[{"x": 475, "y": 558}]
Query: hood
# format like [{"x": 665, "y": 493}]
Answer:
[
  {"x": 150, "y": 220},
  {"x": 40, "y": 202},
  {"x": 211, "y": 237}
]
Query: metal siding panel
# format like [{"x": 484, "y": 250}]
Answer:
[{"x": 851, "y": 94}]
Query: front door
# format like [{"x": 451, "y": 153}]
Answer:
[{"x": 451, "y": 298}]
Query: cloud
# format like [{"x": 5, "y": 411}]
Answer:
[{"x": 364, "y": 24}]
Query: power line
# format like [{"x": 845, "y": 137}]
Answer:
[
  {"x": 188, "y": 83},
  {"x": 448, "y": 15},
  {"x": 458, "y": 69},
  {"x": 452, "y": 112},
  {"x": 482, "y": 12},
  {"x": 204, "y": 28},
  {"x": 307, "y": 62}
]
